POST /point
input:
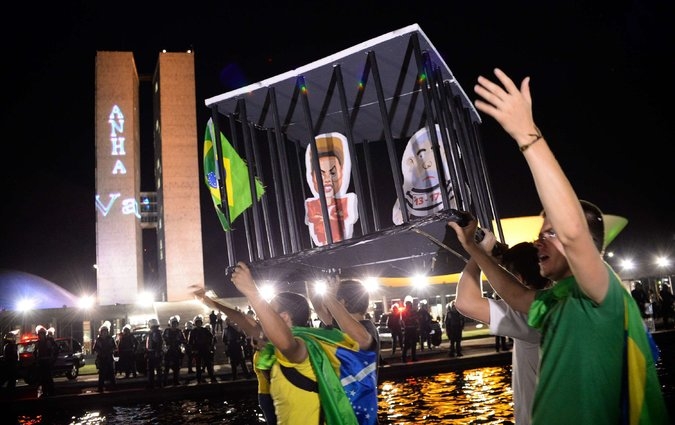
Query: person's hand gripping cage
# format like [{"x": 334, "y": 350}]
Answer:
[{"x": 471, "y": 233}]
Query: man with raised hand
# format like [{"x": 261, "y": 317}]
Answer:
[{"x": 587, "y": 319}]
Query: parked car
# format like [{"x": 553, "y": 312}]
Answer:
[{"x": 68, "y": 362}]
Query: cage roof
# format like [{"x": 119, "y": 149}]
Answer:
[{"x": 398, "y": 75}]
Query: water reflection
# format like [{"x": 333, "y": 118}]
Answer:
[
  {"x": 475, "y": 396},
  {"x": 472, "y": 396},
  {"x": 198, "y": 412},
  {"x": 193, "y": 412}
]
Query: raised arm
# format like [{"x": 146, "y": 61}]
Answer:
[
  {"x": 328, "y": 307},
  {"x": 317, "y": 303},
  {"x": 470, "y": 301},
  {"x": 507, "y": 286},
  {"x": 512, "y": 108},
  {"x": 347, "y": 323},
  {"x": 276, "y": 328},
  {"x": 247, "y": 324}
]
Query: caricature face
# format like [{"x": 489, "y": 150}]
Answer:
[
  {"x": 423, "y": 178},
  {"x": 331, "y": 175},
  {"x": 418, "y": 163},
  {"x": 423, "y": 165},
  {"x": 331, "y": 172},
  {"x": 334, "y": 165}
]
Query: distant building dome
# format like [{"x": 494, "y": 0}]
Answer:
[{"x": 16, "y": 286}]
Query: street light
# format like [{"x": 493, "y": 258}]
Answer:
[
  {"x": 420, "y": 281},
  {"x": 145, "y": 299},
  {"x": 85, "y": 303},
  {"x": 371, "y": 284},
  {"x": 25, "y": 305},
  {"x": 268, "y": 291},
  {"x": 627, "y": 264},
  {"x": 662, "y": 262}
]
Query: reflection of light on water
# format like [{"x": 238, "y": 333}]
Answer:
[
  {"x": 474, "y": 396},
  {"x": 88, "y": 418},
  {"x": 29, "y": 420},
  {"x": 91, "y": 418}
]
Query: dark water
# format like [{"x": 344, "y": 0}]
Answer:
[
  {"x": 472, "y": 396},
  {"x": 477, "y": 396},
  {"x": 197, "y": 412}
]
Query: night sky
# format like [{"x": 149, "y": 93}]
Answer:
[{"x": 602, "y": 86}]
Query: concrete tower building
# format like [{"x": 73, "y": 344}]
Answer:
[
  {"x": 177, "y": 175},
  {"x": 119, "y": 239},
  {"x": 123, "y": 212}
]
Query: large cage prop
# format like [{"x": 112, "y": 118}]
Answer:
[{"x": 377, "y": 94}]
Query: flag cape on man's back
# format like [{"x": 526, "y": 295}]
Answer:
[
  {"x": 644, "y": 399},
  {"x": 346, "y": 376},
  {"x": 236, "y": 178}
]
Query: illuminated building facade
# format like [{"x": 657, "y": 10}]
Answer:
[
  {"x": 122, "y": 211},
  {"x": 177, "y": 175}
]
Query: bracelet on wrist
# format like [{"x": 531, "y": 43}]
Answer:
[{"x": 537, "y": 136}]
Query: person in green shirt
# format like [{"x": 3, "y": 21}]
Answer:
[{"x": 587, "y": 319}]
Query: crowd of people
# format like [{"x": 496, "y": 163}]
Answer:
[
  {"x": 165, "y": 351},
  {"x": 412, "y": 326},
  {"x": 655, "y": 304}
]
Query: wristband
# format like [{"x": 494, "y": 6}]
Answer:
[{"x": 536, "y": 136}]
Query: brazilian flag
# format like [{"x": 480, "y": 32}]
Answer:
[
  {"x": 236, "y": 178},
  {"x": 643, "y": 400},
  {"x": 346, "y": 376}
]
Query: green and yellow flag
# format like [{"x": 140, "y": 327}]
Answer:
[
  {"x": 346, "y": 376},
  {"x": 643, "y": 400},
  {"x": 236, "y": 178}
]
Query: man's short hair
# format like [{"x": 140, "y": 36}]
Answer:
[
  {"x": 295, "y": 305},
  {"x": 330, "y": 145},
  {"x": 522, "y": 259},
  {"x": 596, "y": 223},
  {"x": 355, "y": 295}
]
